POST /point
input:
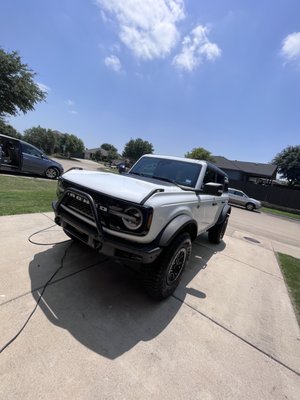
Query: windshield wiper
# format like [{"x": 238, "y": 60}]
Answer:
[
  {"x": 135, "y": 173},
  {"x": 182, "y": 187},
  {"x": 186, "y": 188},
  {"x": 164, "y": 179}
]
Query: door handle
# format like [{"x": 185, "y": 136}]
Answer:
[{"x": 214, "y": 204}]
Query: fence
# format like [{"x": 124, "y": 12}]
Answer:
[{"x": 286, "y": 197}]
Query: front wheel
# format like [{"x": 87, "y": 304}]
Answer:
[
  {"x": 162, "y": 277},
  {"x": 216, "y": 233},
  {"x": 52, "y": 173},
  {"x": 250, "y": 206}
]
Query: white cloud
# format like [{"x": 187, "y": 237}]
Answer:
[
  {"x": 291, "y": 47},
  {"x": 147, "y": 27},
  {"x": 113, "y": 62},
  {"x": 73, "y": 112},
  {"x": 70, "y": 102},
  {"x": 195, "y": 48},
  {"x": 43, "y": 87}
]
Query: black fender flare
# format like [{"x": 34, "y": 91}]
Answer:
[
  {"x": 177, "y": 225},
  {"x": 225, "y": 211}
]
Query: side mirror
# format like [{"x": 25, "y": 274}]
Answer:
[{"x": 212, "y": 188}]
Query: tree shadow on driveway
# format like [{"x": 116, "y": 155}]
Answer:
[{"x": 103, "y": 305}]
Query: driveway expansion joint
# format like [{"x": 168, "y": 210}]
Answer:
[
  {"x": 51, "y": 283},
  {"x": 242, "y": 262},
  {"x": 238, "y": 337}
]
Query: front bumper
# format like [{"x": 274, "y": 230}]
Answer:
[{"x": 106, "y": 244}]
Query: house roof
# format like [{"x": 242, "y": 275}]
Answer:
[
  {"x": 93, "y": 151},
  {"x": 256, "y": 169},
  {"x": 224, "y": 163}
]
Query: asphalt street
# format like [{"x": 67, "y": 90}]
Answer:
[{"x": 283, "y": 233}]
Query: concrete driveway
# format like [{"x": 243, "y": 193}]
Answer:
[
  {"x": 229, "y": 332},
  {"x": 81, "y": 163}
]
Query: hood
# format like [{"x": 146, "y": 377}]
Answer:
[{"x": 120, "y": 186}]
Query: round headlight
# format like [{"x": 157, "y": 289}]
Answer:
[{"x": 133, "y": 219}]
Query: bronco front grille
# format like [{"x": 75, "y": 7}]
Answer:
[
  {"x": 82, "y": 206},
  {"x": 79, "y": 206},
  {"x": 107, "y": 208}
]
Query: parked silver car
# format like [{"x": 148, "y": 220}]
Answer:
[
  {"x": 240, "y": 198},
  {"x": 19, "y": 156}
]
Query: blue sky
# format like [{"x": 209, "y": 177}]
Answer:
[{"x": 223, "y": 75}]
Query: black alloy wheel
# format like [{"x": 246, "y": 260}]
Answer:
[{"x": 162, "y": 277}]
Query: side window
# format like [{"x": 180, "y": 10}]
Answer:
[
  {"x": 221, "y": 179},
  {"x": 213, "y": 176},
  {"x": 27, "y": 149},
  {"x": 238, "y": 193},
  {"x": 210, "y": 176}
]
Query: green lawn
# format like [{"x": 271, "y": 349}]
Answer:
[
  {"x": 280, "y": 213},
  {"x": 290, "y": 267},
  {"x": 22, "y": 195}
]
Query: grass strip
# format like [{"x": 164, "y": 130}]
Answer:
[
  {"x": 290, "y": 267},
  {"x": 23, "y": 195},
  {"x": 280, "y": 213}
]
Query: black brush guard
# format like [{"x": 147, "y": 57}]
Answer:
[{"x": 90, "y": 232}]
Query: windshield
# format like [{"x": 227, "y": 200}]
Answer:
[{"x": 180, "y": 172}]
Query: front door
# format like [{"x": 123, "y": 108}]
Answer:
[{"x": 208, "y": 211}]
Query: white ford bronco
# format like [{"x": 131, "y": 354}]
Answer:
[{"x": 150, "y": 215}]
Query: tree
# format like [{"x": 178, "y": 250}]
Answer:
[
  {"x": 109, "y": 147},
  {"x": 53, "y": 141},
  {"x": 36, "y": 136},
  {"x": 45, "y": 139},
  {"x": 112, "y": 151},
  {"x": 18, "y": 91},
  {"x": 288, "y": 163},
  {"x": 135, "y": 148},
  {"x": 8, "y": 130},
  {"x": 70, "y": 144},
  {"x": 199, "y": 153}
]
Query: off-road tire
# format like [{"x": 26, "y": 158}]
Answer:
[
  {"x": 162, "y": 277},
  {"x": 216, "y": 233}
]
